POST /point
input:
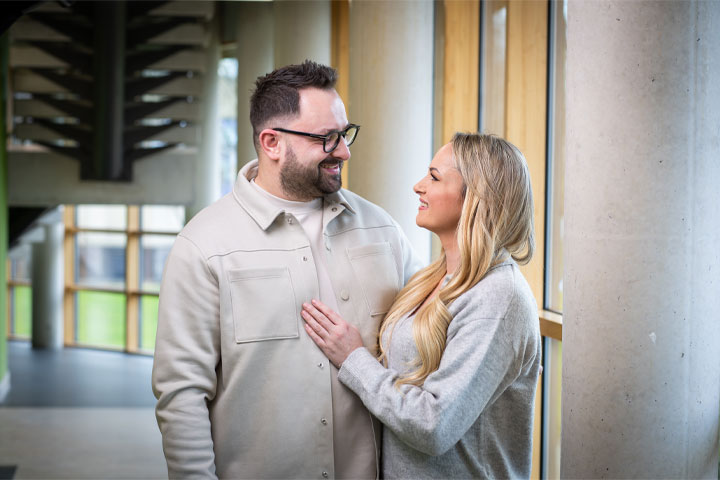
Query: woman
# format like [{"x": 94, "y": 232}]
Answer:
[{"x": 460, "y": 347}]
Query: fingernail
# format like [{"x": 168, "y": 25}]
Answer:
[{"x": 315, "y": 302}]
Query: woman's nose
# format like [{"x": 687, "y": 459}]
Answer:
[{"x": 418, "y": 188}]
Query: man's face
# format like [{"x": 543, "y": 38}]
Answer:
[{"x": 306, "y": 171}]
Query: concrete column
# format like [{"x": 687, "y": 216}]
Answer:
[
  {"x": 641, "y": 339},
  {"x": 391, "y": 97},
  {"x": 302, "y": 31},
  {"x": 208, "y": 167},
  {"x": 255, "y": 55},
  {"x": 47, "y": 288}
]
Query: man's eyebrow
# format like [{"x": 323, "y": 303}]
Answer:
[{"x": 325, "y": 131}]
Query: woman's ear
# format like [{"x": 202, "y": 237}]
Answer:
[{"x": 270, "y": 143}]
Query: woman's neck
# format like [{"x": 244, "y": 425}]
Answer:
[{"x": 452, "y": 252}]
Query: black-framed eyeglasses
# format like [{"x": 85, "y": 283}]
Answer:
[{"x": 330, "y": 140}]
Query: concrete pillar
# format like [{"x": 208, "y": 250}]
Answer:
[
  {"x": 47, "y": 287},
  {"x": 255, "y": 55},
  {"x": 391, "y": 97},
  {"x": 641, "y": 339},
  {"x": 208, "y": 167},
  {"x": 302, "y": 31}
]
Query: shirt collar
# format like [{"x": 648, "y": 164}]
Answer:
[{"x": 259, "y": 208}]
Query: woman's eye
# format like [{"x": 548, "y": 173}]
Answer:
[{"x": 433, "y": 177}]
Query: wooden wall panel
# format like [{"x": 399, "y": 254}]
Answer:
[
  {"x": 526, "y": 111},
  {"x": 340, "y": 57},
  {"x": 460, "y": 67},
  {"x": 525, "y": 126}
]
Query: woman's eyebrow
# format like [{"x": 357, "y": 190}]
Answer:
[{"x": 433, "y": 169}]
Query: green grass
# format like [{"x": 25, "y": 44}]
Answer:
[
  {"x": 148, "y": 321},
  {"x": 101, "y": 319},
  {"x": 22, "y": 311}
]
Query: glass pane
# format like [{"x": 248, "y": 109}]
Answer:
[
  {"x": 100, "y": 259},
  {"x": 100, "y": 319},
  {"x": 552, "y": 415},
  {"x": 21, "y": 263},
  {"x": 148, "y": 321},
  {"x": 227, "y": 100},
  {"x": 494, "y": 50},
  {"x": 162, "y": 218},
  {"x": 154, "y": 250},
  {"x": 556, "y": 159},
  {"x": 103, "y": 217},
  {"x": 21, "y": 308}
]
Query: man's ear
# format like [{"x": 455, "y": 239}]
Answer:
[{"x": 270, "y": 143}]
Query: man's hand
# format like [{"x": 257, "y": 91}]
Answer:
[{"x": 335, "y": 337}]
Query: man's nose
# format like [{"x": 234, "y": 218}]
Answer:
[{"x": 342, "y": 151}]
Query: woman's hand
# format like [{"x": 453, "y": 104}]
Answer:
[{"x": 335, "y": 337}]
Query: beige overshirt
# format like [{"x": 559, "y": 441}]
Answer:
[{"x": 242, "y": 391}]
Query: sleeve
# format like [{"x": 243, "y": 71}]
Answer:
[
  {"x": 410, "y": 260},
  {"x": 478, "y": 364},
  {"x": 186, "y": 355}
]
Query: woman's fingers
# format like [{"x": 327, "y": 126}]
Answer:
[
  {"x": 329, "y": 313},
  {"x": 315, "y": 337},
  {"x": 310, "y": 321},
  {"x": 318, "y": 316}
]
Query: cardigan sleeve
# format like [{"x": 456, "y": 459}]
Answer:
[{"x": 483, "y": 355}]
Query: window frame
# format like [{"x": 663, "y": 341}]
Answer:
[{"x": 132, "y": 291}]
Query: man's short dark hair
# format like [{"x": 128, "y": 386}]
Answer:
[{"x": 277, "y": 93}]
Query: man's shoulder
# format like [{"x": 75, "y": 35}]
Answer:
[{"x": 216, "y": 221}]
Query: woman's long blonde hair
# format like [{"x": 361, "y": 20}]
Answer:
[{"x": 496, "y": 222}]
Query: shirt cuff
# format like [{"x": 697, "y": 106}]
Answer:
[{"x": 350, "y": 373}]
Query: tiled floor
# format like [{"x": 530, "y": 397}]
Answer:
[{"x": 81, "y": 414}]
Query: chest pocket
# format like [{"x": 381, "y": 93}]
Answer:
[
  {"x": 375, "y": 270},
  {"x": 263, "y": 304}
]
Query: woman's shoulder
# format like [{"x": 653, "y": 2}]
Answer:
[{"x": 503, "y": 292}]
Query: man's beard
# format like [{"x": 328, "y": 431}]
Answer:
[{"x": 308, "y": 182}]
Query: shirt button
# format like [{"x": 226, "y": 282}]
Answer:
[
  {"x": 344, "y": 295},
  {"x": 327, "y": 245},
  {"x": 323, "y": 421},
  {"x": 334, "y": 209},
  {"x": 325, "y": 475},
  {"x": 304, "y": 259},
  {"x": 320, "y": 365},
  {"x": 290, "y": 220}
]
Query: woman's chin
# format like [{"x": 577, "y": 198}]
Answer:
[{"x": 423, "y": 224}]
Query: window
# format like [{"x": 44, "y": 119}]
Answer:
[
  {"x": 556, "y": 157},
  {"x": 227, "y": 103},
  {"x": 493, "y": 55},
  {"x": 553, "y": 295},
  {"x": 115, "y": 255},
  {"x": 20, "y": 292}
]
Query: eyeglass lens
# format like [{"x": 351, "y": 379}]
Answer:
[{"x": 331, "y": 141}]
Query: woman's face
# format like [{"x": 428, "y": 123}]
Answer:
[{"x": 440, "y": 194}]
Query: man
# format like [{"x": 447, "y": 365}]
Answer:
[{"x": 243, "y": 392}]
